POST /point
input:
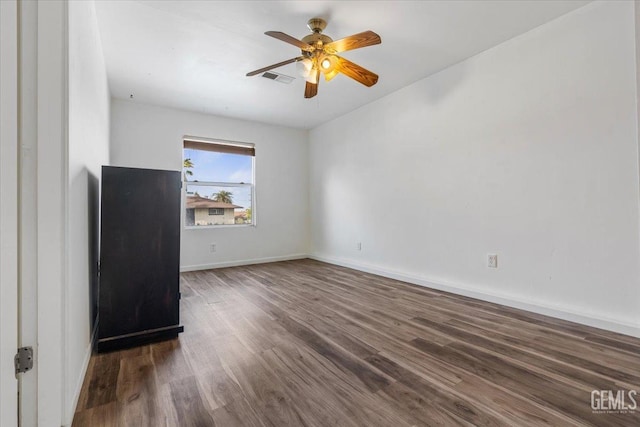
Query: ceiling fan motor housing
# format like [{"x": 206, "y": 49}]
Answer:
[{"x": 316, "y": 38}]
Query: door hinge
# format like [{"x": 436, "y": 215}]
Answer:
[{"x": 23, "y": 360}]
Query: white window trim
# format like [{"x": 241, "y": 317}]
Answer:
[{"x": 185, "y": 183}]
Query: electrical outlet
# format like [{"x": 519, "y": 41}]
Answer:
[
  {"x": 212, "y": 247},
  {"x": 492, "y": 260},
  {"x": 359, "y": 246}
]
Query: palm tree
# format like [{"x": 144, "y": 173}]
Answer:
[
  {"x": 186, "y": 165},
  {"x": 223, "y": 196}
]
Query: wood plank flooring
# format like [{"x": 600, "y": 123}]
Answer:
[{"x": 303, "y": 343}]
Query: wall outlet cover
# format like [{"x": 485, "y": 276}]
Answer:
[{"x": 492, "y": 260}]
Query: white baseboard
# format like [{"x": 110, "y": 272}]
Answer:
[
  {"x": 237, "y": 263},
  {"x": 560, "y": 313},
  {"x": 76, "y": 393}
]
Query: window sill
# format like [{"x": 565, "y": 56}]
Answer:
[{"x": 209, "y": 227}]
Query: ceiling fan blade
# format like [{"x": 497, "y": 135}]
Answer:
[
  {"x": 356, "y": 72},
  {"x": 356, "y": 41},
  {"x": 311, "y": 89},
  {"x": 291, "y": 40},
  {"x": 271, "y": 67}
]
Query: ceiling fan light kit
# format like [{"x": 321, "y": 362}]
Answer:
[{"x": 319, "y": 56}]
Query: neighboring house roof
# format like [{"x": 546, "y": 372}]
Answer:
[
  {"x": 197, "y": 202},
  {"x": 241, "y": 214}
]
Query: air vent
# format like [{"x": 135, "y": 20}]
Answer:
[{"x": 278, "y": 77}]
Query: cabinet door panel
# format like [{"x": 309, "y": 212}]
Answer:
[{"x": 140, "y": 250}]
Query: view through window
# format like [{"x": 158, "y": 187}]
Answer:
[{"x": 219, "y": 183}]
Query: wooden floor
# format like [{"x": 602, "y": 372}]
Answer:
[{"x": 304, "y": 343}]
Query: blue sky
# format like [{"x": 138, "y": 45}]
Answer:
[{"x": 219, "y": 167}]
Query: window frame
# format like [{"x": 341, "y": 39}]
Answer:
[{"x": 186, "y": 183}]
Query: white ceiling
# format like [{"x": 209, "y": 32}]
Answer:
[{"x": 194, "y": 55}]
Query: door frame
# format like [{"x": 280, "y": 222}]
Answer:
[
  {"x": 8, "y": 210},
  {"x": 33, "y": 122}
]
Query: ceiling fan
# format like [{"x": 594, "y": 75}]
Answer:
[{"x": 319, "y": 55}]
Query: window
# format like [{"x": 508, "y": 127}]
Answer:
[{"x": 219, "y": 182}]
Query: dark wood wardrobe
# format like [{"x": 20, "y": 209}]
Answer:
[{"x": 139, "y": 296}]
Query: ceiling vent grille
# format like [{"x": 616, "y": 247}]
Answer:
[{"x": 278, "y": 77}]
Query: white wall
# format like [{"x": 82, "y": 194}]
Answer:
[
  {"x": 528, "y": 150},
  {"x": 51, "y": 187},
  {"x": 151, "y": 137},
  {"x": 89, "y": 111}
]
